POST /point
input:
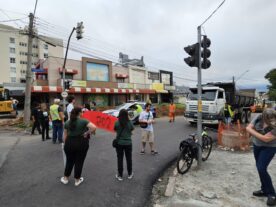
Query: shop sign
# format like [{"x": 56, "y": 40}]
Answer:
[
  {"x": 158, "y": 86},
  {"x": 125, "y": 85},
  {"x": 78, "y": 83},
  {"x": 169, "y": 88}
]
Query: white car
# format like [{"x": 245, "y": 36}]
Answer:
[{"x": 133, "y": 115}]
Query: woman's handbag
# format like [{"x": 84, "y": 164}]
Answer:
[{"x": 115, "y": 141}]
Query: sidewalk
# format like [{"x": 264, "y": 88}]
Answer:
[{"x": 227, "y": 179}]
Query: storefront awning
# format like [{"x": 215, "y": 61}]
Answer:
[
  {"x": 161, "y": 91},
  {"x": 58, "y": 89},
  {"x": 16, "y": 90}
]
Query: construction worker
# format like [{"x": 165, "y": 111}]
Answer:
[
  {"x": 228, "y": 114},
  {"x": 172, "y": 111},
  {"x": 57, "y": 118}
]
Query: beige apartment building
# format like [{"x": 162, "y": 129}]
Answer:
[{"x": 14, "y": 51}]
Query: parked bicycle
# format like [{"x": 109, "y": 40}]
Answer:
[{"x": 189, "y": 151}]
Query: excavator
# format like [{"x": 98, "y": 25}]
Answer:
[{"x": 6, "y": 106}]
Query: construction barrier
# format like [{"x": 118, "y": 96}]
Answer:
[{"x": 233, "y": 136}]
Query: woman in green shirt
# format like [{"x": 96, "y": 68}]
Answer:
[
  {"x": 76, "y": 144},
  {"x": 123, "y": 128}
]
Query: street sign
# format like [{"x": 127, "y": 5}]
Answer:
[
  {"x": 38, "y": 70},
  {"x": 64, "y": 94}
]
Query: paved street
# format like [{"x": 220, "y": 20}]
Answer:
[{"x": 30, "y": 175}]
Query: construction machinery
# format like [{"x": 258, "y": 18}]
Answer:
[{"x": 6, "y": 105}]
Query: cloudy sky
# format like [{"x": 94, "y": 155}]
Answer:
[{"x": 242, "y": 33}]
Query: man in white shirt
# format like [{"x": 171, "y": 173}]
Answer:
[
  {"x": 71, "y": 101},
  {"x": 147, "y": 132}
]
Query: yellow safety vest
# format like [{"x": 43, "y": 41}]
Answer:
[
  {"x": 229, "y": 110},
  {"x": 54, "y": 112}
]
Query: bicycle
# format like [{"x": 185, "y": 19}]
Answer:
[{"x": 189, "y": 151}]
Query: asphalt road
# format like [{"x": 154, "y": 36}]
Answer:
[{"x": 30, "y": 176}]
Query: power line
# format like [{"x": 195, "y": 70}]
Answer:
[{"x": 213, "y": 12}]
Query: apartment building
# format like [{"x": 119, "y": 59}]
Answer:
[{"x": 14, "y": 51}]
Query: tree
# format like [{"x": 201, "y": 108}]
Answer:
[{"x": 271, "y": 77}]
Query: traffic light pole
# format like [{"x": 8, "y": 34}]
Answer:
[
  {"x": 199, "y": 103},
  {"x": 63, "y": 68}
]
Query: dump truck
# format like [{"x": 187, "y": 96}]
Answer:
[{"x": 214, "y": 97}]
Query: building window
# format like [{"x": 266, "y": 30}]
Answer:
[
  {"x": 12, "y": 60},
  {"x": 12, "y": 40},
  {"x": 35, "y": 46},
  {"x": 120, "y": 80},
  {"x": 13, "y": 69},
  {"x": 45, "y": 55},
  {"x": 23, "y": 44},
  {"x": 67, "y": 76},
  {"x": 46, "y": 47},
  {"x": 12, "y": 50},
  {"x": 13, "y": 80}
]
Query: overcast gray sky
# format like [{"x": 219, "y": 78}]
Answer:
[{"x": 242, "y": 33}]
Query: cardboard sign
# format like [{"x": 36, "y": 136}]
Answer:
[{"x": 101, "y": 120}]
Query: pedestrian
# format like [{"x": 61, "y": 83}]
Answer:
[
  {"x": 44, "y": 121},
  {"x": 93, "y": 106},
  {"x": 228, "y": 114},
  {"x": 35, "y": 118},
  {"x": 14, "y": 105},
  {"x": 146, "y": 117},
  {"x": 57, "y": 117},
  {"x": 172, "y": 108},
  {"x": 263, "y": 130},
  {"x": 124, "y": 128},
  {"x": 86, "y": 107},
  {"x": 71, "y": 100},
  {"x": 76, "y": 145}
]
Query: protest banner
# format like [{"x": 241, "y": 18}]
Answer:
[{"x": 101, "y": 120}]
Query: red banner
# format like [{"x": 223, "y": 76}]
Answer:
[{"x": 100, "y": 119}]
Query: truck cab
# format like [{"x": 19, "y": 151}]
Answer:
[{"x": 213, "y": 101}]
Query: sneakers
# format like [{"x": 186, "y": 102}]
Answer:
[
  {"x": 154, "y": 152},
  {"x": 271, "y": 201},
  {"x": 130, "y": 176},
  {"x": 259, "y": 193},
  {"x": 142, "y": 152},
  {"x": 119, "y": 177},
  {"x": 79, "y": 181},
  {"x": 64, "y": 180}
]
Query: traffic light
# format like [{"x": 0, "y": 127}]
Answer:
[
  {"x": 192, "y": 50},
  {"x": 66, "y": 85},
  {"x": 79, "y": 30},
  {"x": 205, "y": 53}
]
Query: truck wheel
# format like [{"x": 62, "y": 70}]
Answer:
[
  {"x": 248, "y": 116},
  {"x": 243, "y": 117}
]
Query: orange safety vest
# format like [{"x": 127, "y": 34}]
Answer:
[{"x": 172, "y": 108}]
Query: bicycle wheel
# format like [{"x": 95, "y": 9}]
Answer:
[
  {"x": 184, "y": 160},
  {"x": 207, "y": 144}
]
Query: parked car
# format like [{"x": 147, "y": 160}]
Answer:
[{"x": 133, "y": 115}]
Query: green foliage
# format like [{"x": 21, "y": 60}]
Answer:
[{"x": 271, "y": 77}]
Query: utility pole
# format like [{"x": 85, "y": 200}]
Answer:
[
  {"x": 199, "y": 101},
  {"x": 29, "y": 76}
]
